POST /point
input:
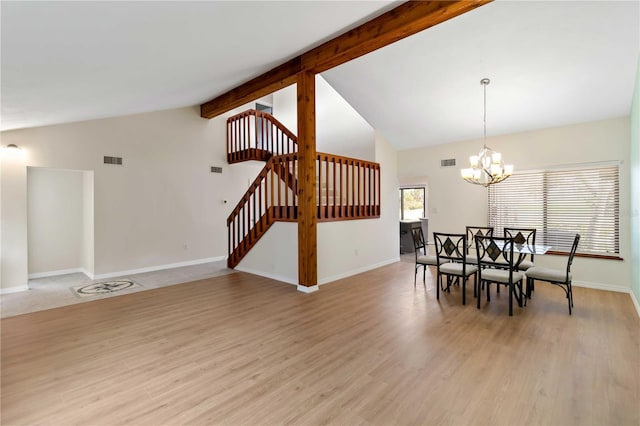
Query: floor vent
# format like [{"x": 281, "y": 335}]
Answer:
[
  {"x": 450, "y": 162},
  {"x": 113, "y": 160},
  {"x": 216, "y": 169}
]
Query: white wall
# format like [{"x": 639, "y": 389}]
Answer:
[
  {"x": 163, "y": 206},
  {"x": 55, "y": 219},
  {"x": 635, "y": 190},
  {"x": 13, "y": 181},
  {"x": 87, "y": 224},
  {"x": 353, "y": 246},
  {"x": 453, "y": 203},
  {"x": 340, "y": 130},
  {"x": 275, "y": 255}
]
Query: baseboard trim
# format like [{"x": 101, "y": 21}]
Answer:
[
  {"x": 600, "y": 286},
  {"x": 635, "y": 302},
  {"x": 56, "y": 273},
  {"x": 15, "y": 289},
  {"x": 157, "y": 268},
  {"x": 322, "y": 281},
  {"x": 267, "y": 275},
  {"x": 305, "y": 289},
  {"x": 87, "y": 273},
  {"x": 352, "y": 272}
]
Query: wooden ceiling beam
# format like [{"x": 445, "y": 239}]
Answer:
[
  {"x": 281, "y": 76},
  {"x": 403, "y": 21}
]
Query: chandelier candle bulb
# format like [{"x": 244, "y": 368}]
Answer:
[{"x": 508, "y": 169}]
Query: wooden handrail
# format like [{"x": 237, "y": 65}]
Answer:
[
  {"x": 256, "y": 135},
  {"x": 348, "y": 188},
  {"x": 272, "y": 196}
]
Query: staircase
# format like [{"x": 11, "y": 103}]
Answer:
[{"x": 347, "y": 188}]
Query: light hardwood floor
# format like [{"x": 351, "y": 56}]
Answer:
[{"x": 369, "y": 349}]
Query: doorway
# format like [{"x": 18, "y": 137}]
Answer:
[{"x": 60, "y": 222}]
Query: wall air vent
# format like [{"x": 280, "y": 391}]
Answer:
[
  {"x": 113, "y": 160},
  {"x": 216, "y": 169},
  {"x": 450, "y": 162}
]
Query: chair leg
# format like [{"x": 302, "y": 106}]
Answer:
[
  {"x": 464, "y": 290},
  {"x": 571, "y": 292},
  {"x": 520, "y": 296},
  {"x": 424, "y": 275},
  {"x": 475, "y": 285},
  {"x": 478, "y": 284},
  {"x": 510, "y": 299},
  {"x": 438, "y": 281}
]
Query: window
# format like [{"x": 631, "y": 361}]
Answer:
[
  {"x": 559, "y": 204},
  {"x": 412, "y": 202}
]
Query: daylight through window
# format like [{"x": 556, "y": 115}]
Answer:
[
  {"x": 412, "y": 203},
  {"x": 559, "y": 204}
]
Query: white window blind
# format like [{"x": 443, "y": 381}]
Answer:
[{"x": 559, "y": 204}]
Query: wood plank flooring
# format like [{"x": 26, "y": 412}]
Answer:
[{"x": 369, "y": 349}]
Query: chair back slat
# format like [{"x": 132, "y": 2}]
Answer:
[
  {"x": 522, "y": 236},
  {"x": 419, "y": 244},
  {"x": 572, "y": 253},
  {"x": 472, "y": 231},
  {"x": 451, "y": 247},
  {"x": 495, "y": 252}
]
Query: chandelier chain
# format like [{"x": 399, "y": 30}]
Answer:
[{"x": 484, "y": 120}]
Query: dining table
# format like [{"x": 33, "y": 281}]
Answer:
[{"x": 524, "y": 249}]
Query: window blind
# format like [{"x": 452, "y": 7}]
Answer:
[{"x": 559, "y": 204}]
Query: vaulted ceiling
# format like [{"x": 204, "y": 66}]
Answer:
[{"x": 551, "y": 63}]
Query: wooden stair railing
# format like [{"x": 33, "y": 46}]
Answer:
[
  {"x": 271, "y": 197},
  {"x": 346, "y": 188},
  {"x": 257, "y": 135}
]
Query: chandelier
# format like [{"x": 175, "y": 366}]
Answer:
[{"x": 487, "y": 167}]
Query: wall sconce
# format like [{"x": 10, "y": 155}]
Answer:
[{"x": 13, "y": 151}]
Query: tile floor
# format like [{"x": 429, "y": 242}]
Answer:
[{"x": 53, "y": 292}]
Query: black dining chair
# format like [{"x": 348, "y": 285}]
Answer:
[
  {"x": 522, "y": 236},
  {"x": 451, "y": 252},
  {"x": 496, "y": 265},
  {"x": 423, "y": 258},
  {"x": 561, "y": 278},
  {"x": 471, "y": 232}
]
